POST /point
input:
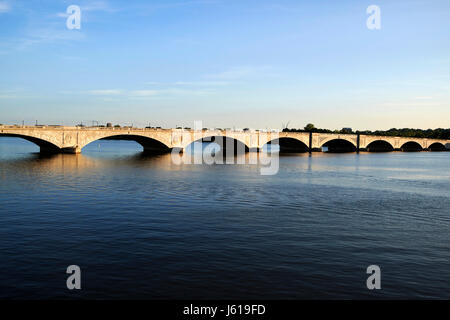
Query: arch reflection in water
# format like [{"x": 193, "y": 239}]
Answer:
[{"x": 224, "y": 150}]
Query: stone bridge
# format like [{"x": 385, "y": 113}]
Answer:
[{"x": 73, "y": 139}]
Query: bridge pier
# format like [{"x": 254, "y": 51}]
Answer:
[
  {"x": 176, "y": 150},
  {"x": 358, "y": 143},
  {"x": 310, "y": 149},
  {"x": 71, "y": 150},
  {"x": 49, "y": 150},
  {"x": 152, "y": 150}
]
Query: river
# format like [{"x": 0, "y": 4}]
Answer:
[{"x": 143, "y": 227}]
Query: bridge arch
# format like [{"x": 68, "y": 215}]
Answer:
[
  {"x": 411, "y": 146},
  {"x": 225, "y": 144},
  {"x": 44, "y": 145},
  {"x": 338, "y": 145},
  {"x": 437, "y": 146},
  {"x": 288, "y": 145},
  {"x": 379, "y": 146},
  {"x": 149, "y": 144}
]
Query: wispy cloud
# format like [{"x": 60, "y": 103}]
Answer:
[
  {"x": 4, "y": 6},
  {"x": 105, "y": 6},
  {"x": 12, "y": 93},
  {"x": 45, "y": 35},
  {"x": 62, "y": 15},
  {"x": 441, "y": 61},
  {"x": 411, "y": 104},
  {"x": 237, "y": 73},
  {"x": 167, "y": 92},
  {"x": 7, "y": 96},
  {"x": 149, "y": 8},
  {"x": 153, "y": 83},
  {"x": 202, "y": 83},
  {"x": 101, "y": 6},
  {"x": 209, "y": 83},
  {"x": 232, "y": 74},
  {"x": 98, "y": 6},
  {"x": 48, "y": 35},
  {"x": 144, "y": 93},
  {"x": 107, "y": 92},
  {"x": 179, "y": 88},
  {"x": 190, "y": 92},
  {"x": 423, "y": 98}
]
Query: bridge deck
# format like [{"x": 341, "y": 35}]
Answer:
[{"x": 73, "y": 139}]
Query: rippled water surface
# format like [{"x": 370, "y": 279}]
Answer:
[{"x": 143, "y": 227}]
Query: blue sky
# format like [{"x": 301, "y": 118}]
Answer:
[{"x": 241, "y": 63}]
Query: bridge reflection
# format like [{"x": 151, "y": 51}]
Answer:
[{"x": 109, "y": 155}]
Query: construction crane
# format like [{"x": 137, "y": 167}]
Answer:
[{"x": 285, "y": 126}]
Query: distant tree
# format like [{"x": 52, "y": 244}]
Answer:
[
  {"x": 309, "y": 127},
  {"x": 439, "y": 133}
]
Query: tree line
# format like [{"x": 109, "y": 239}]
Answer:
[{"x": 439, "y": 133}]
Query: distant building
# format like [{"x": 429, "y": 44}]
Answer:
[
  {"x": 109, "y": 125},
  {"x": 347, "y": 130}
]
